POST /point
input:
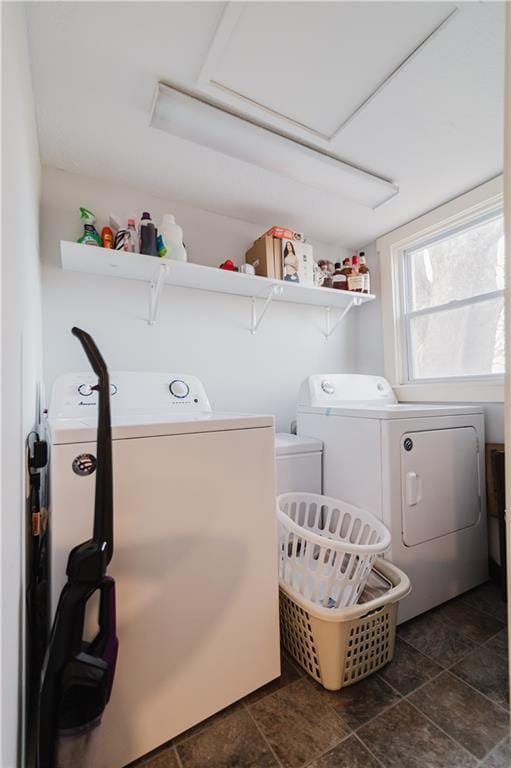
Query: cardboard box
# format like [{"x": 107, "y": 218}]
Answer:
[
  {"x": 265, "y": 257},
  {"x": 284, "y": 234},
  {"x": 297, "y": 262}
]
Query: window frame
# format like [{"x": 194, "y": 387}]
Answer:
[{"x": 483, "y": 202}]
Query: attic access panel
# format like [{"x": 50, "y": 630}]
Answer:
[{"x": 316, "y": 63}]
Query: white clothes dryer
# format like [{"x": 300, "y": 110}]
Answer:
[
  {"x": 419, "y": 468},
  {"x": 195, "y": 550}
]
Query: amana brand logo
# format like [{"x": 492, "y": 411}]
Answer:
[{"x": 84, "y": 464}]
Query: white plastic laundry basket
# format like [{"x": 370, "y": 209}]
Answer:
[
  {"x": 338, "y": 647},
  {"x": 327, "y": 547}
]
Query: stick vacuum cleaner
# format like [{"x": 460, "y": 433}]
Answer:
[{"x": 77, "y": 676}]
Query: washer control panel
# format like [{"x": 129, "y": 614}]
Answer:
[
  {"x": 179, "y": 388},
  {"x": 87, "y": 390},
  {"x": 75, "y": 394}
]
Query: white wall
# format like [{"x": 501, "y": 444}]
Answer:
[
  {"x": 21, "y": 347},
  {"x": 196, "y": 332}
]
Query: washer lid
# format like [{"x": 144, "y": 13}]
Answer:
[
  {"x": 287, "y": 444},
  {"x": 152, "y": 424}
]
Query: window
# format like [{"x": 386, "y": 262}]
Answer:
[
  {"x": 442, "y": 286},
  {"x": 454, "y": 302}
]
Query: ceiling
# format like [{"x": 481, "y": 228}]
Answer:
[{"x": 411, "y": 92}]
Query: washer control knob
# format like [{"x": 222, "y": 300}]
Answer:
[
  {"x": 327, "y": 387},
  {"x": 85, "y": 390},
  {"x": 179, "y": 388}
]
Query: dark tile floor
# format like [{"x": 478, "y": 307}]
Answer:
[{"x": 443, "y": 702}]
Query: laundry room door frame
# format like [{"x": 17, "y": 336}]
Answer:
[{"x": 507, "y": 220}]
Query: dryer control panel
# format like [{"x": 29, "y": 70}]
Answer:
[
  {"x": 324, "y": 389},
  {"x": 74, "y": 395}
]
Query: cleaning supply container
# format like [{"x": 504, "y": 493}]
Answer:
[
  {"x": 173, "y": 238},
  {"x": 340, "y": 646},
  {"x": 327, "y": 547}
]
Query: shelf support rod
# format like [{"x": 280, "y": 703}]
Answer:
[
  {"x": 329, "y": 329},
  {"x": 255, "y": 322},
  {"x": 155, "y": 288}
]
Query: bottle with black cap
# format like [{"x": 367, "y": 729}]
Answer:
[{"x": 147, "y": 235}]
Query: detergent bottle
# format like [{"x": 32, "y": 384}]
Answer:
[
  {"x": 173, "y": 238},
  {"x": 147, "y": 235},
  {"x": 90, "y": 235}
]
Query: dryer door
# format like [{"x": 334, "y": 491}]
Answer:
[{"x": 440, "y": 483}]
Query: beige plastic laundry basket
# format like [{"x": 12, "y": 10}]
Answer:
[
  {"x": 327, "y": 547},
  {"x": 339, "y": 646}
]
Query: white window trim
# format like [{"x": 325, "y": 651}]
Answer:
[{"x": 484, "y": 199}]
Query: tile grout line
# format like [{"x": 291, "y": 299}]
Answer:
[
  {"x": 502, "y": 629},
  {"x": 451, "y": 738},
  {"x": 177, "y": 756},
  {"x": 354, "y": 731},
  {"x": 330, "y": 707},
  {"x": 391, "y": 706},
  {"x": 478, "y": 610},
  {"x": 410, "y": 693},
  {"x": 450, "y": 669},
  {"x": 273, "y": 693},
  {"x": 368, "y": 749},
  {"x": 475, "y": 647},
  {"x": 469, "y": 685},
  {"x": 326, "y": 751},
  {"x": 183, "y": 739},
  {"x": 402, "y": 697},
  {"x": 261, "y": 733},
  {"x": 497, "y": 746},
  {"x": 321, "y": 754},
  {"x": 486, "y": 642},
  {"x": 407, "y": 698},
  {"x": 431, "y": 679},
  {"x": 436, "y": 612},
  {"x": 485, "y": 614}
]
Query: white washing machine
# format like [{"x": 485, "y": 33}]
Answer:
[
  {"x": 419, "y": 468},
  {"x": 194, "y": 550}
]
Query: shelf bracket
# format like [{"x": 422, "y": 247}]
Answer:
[
  {"x": 255, "y": 322},
  {"x": 155, "y": 288},
  {"x": 329, "y": 328}
]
